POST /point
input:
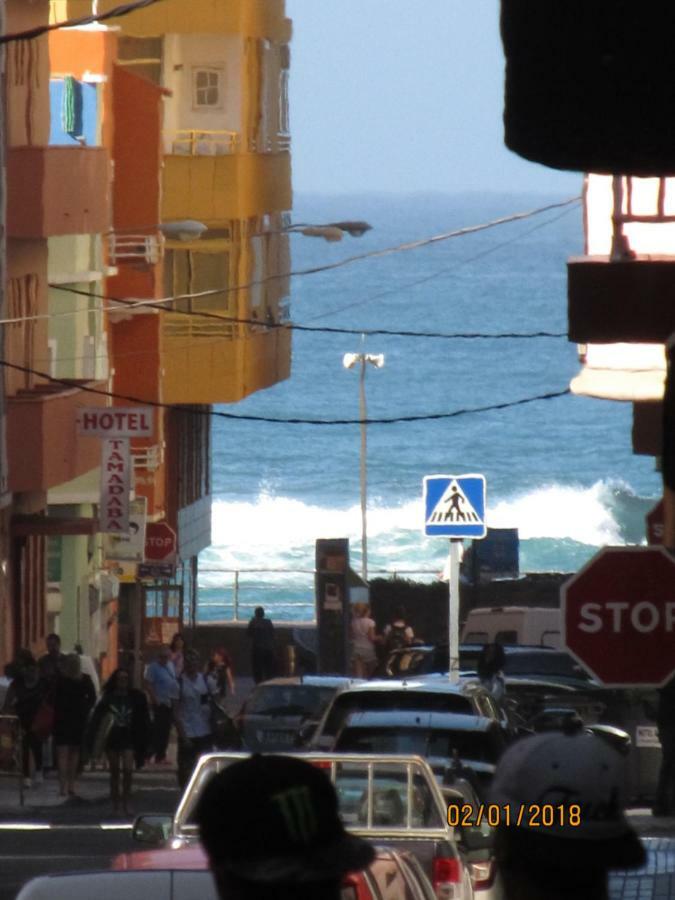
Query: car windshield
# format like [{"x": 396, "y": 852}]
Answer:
[
  {"x": 292, "y": 699},
  {"x": 367, "y": 701},
  {"x": 470, "y": 745}
]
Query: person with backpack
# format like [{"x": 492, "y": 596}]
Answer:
[{"x": 398, "y": 633}]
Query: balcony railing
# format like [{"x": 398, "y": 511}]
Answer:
[
  {"x": 190, "y": 142},
  {"x": 135, "y": 248},
  {"x": 149, "y": 458}
]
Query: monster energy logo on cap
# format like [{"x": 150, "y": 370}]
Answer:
[{"x": 297, "y": 809}]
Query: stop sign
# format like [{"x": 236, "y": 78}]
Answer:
[
  {"x": 160, "y": 543},
  {"x": 619, "y": 616}
]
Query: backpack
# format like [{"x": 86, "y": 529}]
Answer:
[{"x": 396, "y": 638}]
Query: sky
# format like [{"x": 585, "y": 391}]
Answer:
[{"x": 403, "y": 96}]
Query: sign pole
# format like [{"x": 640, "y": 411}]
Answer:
[{"x": 453, "y": 611}]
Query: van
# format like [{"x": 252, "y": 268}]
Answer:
[{"x": 533, "y": 625}]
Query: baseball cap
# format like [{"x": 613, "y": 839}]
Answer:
[
  {"x": 275, "y": 819},
  {"x": 562, "y": 770}
]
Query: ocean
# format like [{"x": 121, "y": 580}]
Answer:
[{"x": 560, "y": 470}]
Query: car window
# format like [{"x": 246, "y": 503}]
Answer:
[
  {"x": 364, "y": 701},
  {"x": 289, "y": 699},
  {"x": 544, "y": 662},
  {"x": 476, "y": 637},
  {"x": 474, "y": 746},
  {"x": 383, "y": 740},
  {"x": 385, "y": 795},
  {"x": 506, "y": 637}
]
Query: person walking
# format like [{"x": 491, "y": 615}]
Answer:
[
  {"x": 177, "y": 647},
  {"x": 50, "y": 663},
  {"x": 74, "y": 697},
  {"x": 575, "y": 782},
  {"x": 120, "y": 727},
  {"x": 363, "y": 639},
  {"x": 260, "y": 632},
  {"x": 270, "y": 828},
  {"x": 192, "y": 715},
  {"x": 219, "y": 674},
  {"x": 161, "y": 686},
  {"x": 26, "y": 695},
  {"x": 664, "y": 801}
]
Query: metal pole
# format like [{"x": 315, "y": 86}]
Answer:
[
  {"x": 363, "y": 416},
  {"x": 236, "y": 596},
  {"x": 453, "y": 611}
]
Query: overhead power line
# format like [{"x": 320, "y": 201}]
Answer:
[
  {"x": 123, "y": 10},
  {"x": 293, "y": 420}
]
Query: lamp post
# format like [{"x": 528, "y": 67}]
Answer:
[{"x": 350, "y": 360}]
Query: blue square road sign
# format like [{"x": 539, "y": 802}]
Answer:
[{"x": 454, "y": 506}]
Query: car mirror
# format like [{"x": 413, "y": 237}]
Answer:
[{"x": 152, "y": 829}]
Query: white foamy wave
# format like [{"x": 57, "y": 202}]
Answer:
[{"x": 555, "y": 511}]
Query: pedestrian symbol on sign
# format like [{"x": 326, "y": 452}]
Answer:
[{"x": 453, "y": 507}]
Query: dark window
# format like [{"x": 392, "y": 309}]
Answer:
[
  {"x": 545, "y": 662},
  {"x": 289, "y": 700},
  {"x": 347, "y": 703}
]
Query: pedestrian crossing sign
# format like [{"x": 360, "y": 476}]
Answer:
[{"x": 454, "y": 506}]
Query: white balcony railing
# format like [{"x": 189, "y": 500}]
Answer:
[
  {"x": 130, "y": 248},
  {"x": 149, "y": 458},
  {"x": 190, "y": 142}
]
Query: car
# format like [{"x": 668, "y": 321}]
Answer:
[
  {"x": 476, "y": 742},
  {"x": 394, "y": 800},
  {"x": 279, "y": 711},
  {"x": 184, "y": 875},
  {"x": 432, "y": 694},
  {"x": 521, "y": 661}
]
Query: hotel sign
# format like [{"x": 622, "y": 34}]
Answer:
[{"x": 116, "y": 421}]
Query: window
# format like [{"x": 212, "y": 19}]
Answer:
[{"x": 208, "y": 85}]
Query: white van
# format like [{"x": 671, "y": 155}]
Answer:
[{"x": 535, "y": 625}]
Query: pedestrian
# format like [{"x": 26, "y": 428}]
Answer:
[
  {"x": 50, "y": 663},
  {"x": 562, "y": 827},
  {"x": 120, "y": 726},
  {"x": 74, "y": 698},
  {"x": 192, "y": 715},
  {"x": 398, "y": 633},
  {"x": 260, "y": 632},
  {"x": 26, "y": 696},
  {"x": 219, "y": 674},
  {"x": 286, "y": 839},
  {"x": 363, "y": 641},
  {"x": 161, "y": 686},
  {"x": 664, "y": 801},
  {"x": 177, "y": 646},
  {"x": 490, "y": 668}
]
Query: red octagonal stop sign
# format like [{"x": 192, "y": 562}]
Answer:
[
  {"x": 160, "y": 543},
  {"x": 619, "y": 616}
]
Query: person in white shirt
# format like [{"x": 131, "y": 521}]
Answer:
[
  {"x": 363, "y": 656},
  {"x": 192, "y": 715}
]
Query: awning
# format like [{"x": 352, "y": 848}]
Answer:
[
  {"x": 625, "y": 372},
  {"x": 23, "y": 526}
]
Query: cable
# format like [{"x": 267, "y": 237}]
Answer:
[
  {"x": 278, "y": 420},
  {"x": 449, "y": 269},
  {"x": 373, "y": 254},
  {"x": 116, "y": 12}
]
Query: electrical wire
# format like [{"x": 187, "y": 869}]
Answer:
[
  {"x": 117, "y": 12},
  {"x": 393, "y": 420}
]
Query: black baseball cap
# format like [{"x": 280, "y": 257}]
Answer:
[{"x": 275, "y": 818}]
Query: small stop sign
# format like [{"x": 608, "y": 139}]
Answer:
[
  {"x": 160, "y": 543},
  {"x": 619, "y": 616}
]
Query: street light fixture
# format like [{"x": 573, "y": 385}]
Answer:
[
  {"x": 349, "y": 361},
  {"x": 330, "y": 231}
]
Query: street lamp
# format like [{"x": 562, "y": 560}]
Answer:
[
  {"x": 350, "y": 360},
  {"x": 331, "y": 231}
]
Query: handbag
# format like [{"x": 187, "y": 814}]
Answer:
[{"x": 43, "y": 721}]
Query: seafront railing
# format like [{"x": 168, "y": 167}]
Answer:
[{"x": 236, "y": 584}]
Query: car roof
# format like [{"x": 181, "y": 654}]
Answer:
[
  {"x": 418, "y": 719},
  {"x": 336, "y": 681},
  {"x": 416, "y": 683}
]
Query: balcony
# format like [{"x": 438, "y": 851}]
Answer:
[
  {"x": 253, "y": 18},
  {"x": 55, "y": 453},
  {"x": 218, "y": 188},
  {"x": 135, "y": 249},
  {"x": 211, "y": 362},
  {"x": 70, "y": 191}
]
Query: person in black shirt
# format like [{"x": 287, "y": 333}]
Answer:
[{"x": 260, "y": 631}]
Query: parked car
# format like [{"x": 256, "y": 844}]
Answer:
[
  {"x": 184, "y": 875},
  {"x": 476, "y": 742},
  {"x": 521, "y": 661},
  {"x": 392, "y": 800},
  {"x": 432, "y": 694},
  {"x": 279, "y": 711}
]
